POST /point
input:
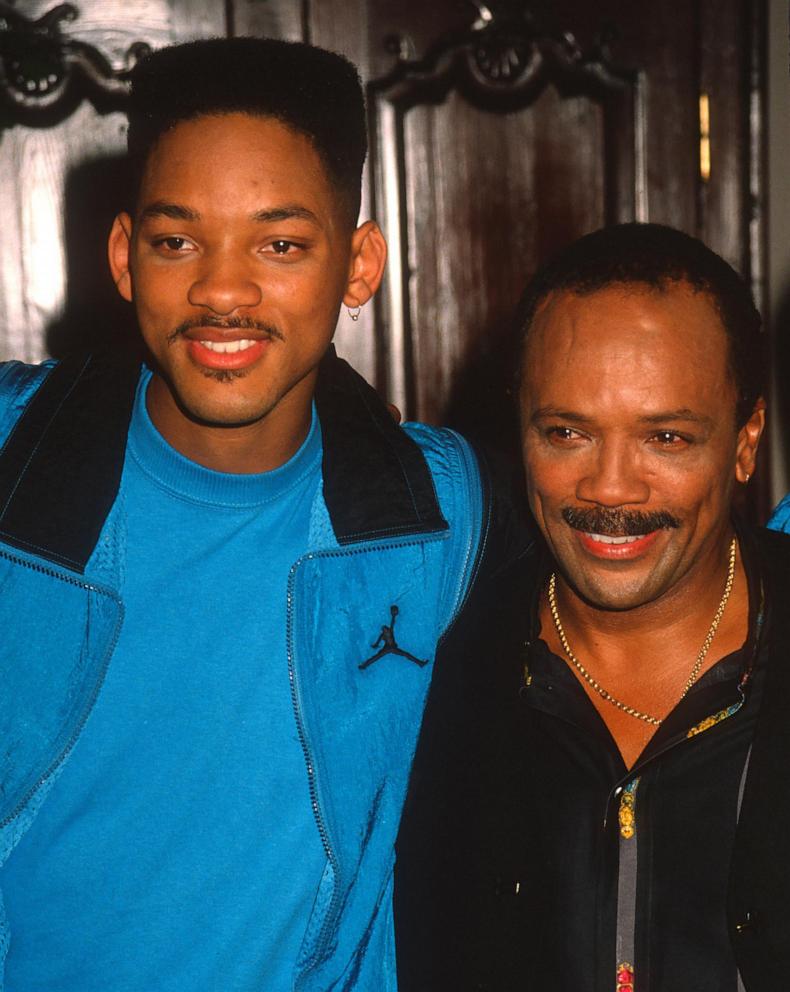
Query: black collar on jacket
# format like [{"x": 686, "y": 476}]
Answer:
[{"x": 60, "y": 468}]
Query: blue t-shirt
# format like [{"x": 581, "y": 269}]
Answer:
[{"x": 178, "y": 850}]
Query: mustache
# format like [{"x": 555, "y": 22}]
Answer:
[
  {"x": 225, "y": 323},
  {"x": 617, "y": 522}
]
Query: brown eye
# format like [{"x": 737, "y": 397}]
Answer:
[
  {"x": 173, "y": 244},
  {"x": 670, "y": 439},
  {"x": 562, "y": 434}
]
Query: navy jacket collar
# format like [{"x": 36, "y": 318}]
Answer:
[{"x": 61, "y": 467}]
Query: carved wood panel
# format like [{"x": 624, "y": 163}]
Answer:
[
  {"x": 473, "y": 195},
  {"x": 62, "y": 131},
  {"x": 499, "y": 132},
  {"x": 494, "y": 150}
]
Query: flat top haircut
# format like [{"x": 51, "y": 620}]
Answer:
[
  {"x": 313, "y": 91},
  {"x": 656, "y": 256}
]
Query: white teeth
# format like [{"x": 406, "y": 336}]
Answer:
[
  {"x": 228, "y": 347},
  {"x": 608, "y": 539}
]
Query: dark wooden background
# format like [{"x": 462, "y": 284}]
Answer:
[{"x": 499, "y": 132}]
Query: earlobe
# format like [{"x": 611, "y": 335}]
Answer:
[
  {"x": 118, "y": 252},
  {"x": 748, "y": 442},
  {"x": 368, "y": 256}
]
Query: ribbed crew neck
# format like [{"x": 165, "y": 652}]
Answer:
[{"x": 181, "y": 476}]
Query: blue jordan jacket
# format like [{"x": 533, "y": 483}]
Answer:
[{"x": 400, "y": 521}]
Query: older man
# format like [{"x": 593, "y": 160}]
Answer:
[{"x": 599, "y": 801}]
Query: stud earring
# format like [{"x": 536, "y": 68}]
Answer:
[
  {"x": 354, "y": 312},
  {"x": 748, "y": 476}
]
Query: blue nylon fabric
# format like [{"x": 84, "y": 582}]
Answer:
[
  {"x": 358, "y": 728},
  {"x": 780, "y": 518},
  {"x": 192, "y": 741},
  {"x": 18, "y": 382}
]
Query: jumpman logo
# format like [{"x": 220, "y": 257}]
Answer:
[{"x": 388, "y": 644}]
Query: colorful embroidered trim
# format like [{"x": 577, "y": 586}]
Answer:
[
  {"x": 627, "y": 812},
  {"x": 711, "y": 721},
  {"x": 625, "y": 977}
]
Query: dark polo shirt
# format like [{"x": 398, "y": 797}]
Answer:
[{"x": 551, "y": 865}]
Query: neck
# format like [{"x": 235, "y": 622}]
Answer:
[
  {"x": 648, "y": 657},
  {"x": 242, "y": 449}
]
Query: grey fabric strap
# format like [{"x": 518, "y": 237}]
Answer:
[
  {"x": 626, "y": 889},
  {"x": 741, "y": 789}
]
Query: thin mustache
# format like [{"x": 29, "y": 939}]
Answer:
[
  {"x": 225, "y": 323},
  {"x": 618, "y": 523}
]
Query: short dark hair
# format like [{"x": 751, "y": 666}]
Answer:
[
  {"x": 313, "y": 91},
  {"x": 657, "y": 256}
]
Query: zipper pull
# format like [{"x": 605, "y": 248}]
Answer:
[{"x": 526, "y": 680}]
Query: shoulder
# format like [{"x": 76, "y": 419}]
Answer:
[
  {"x": 454, "y": 466},
  {"x": 18, "y": 383},
  {"x": 780, "y": 518},
  {"x": 773, "y": 547},
  {"x": 487, "y": 482}
]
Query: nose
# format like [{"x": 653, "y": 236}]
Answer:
[
  {"x": 223, "y": 285},
  {"x": 613, "y": 477}
]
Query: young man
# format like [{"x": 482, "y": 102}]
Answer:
[
  {"x": 598, "y": 800},
  {"x": 204, "y": 755}
]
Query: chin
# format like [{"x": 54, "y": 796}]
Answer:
[
  {"x": 615, "y": 597},
  {"x": 219, "y": 414}
]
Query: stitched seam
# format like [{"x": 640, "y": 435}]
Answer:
[
  {"x": 309, "y": 471},
  {"x": 13, "y": 430},
  {"x": 45, "y": 552},
  {"x": 26, "y": 466},
  {"x": 471, "y": 476},
  {"x": 36, "y": 567},
  {"x": 396, "y": 529}
]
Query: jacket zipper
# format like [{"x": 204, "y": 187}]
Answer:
[
  {"x": 315, "y": 804},
  {"x": 66, "y": 750}
]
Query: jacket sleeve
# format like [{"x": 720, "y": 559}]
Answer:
[
  {"x": 780, "y": 518},
  {"x": 459, "y": 485},
  {"x": 18, "y": 382}
]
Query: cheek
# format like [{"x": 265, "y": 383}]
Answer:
[
  {"x": 549, "y": 486},
  {"x": 155, "y": 290},
  {"x": 552, "y": 477}
]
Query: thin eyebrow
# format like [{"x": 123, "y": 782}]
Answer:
[
  {"x": 673, "y": 415},
  {"x": 175, "y": 211},
  {"x": 287, "y": 212},
  {"x": 654, "y": 419},
  {"x": 552, "y": 413}
]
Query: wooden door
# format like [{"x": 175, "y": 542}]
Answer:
[{"x": 499, "y": 132}]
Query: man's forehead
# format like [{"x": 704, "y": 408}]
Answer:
[
  {"x": 628, "y": 345},
  {"x": 242, "y": 152},
  {"x": 673, "y": 315}
]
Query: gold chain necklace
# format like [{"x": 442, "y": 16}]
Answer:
[{"x": 604, "y": 693}]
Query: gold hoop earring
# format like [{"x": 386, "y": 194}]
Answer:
[{"x": 354, "y": 313}]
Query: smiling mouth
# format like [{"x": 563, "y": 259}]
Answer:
[
  {"x": 611, "y": 539},
  {"x": 617, "y": 547},
  {"x": 228, "y": 347}
]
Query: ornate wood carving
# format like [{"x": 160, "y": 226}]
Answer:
[
  {"x": 45, "y": 75},
  {"x": 501, "y": 64}
]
